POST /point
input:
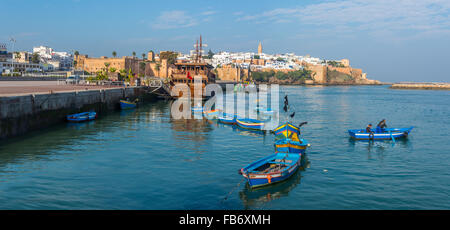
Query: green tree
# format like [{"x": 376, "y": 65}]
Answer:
[
  {"x": 76, "y": 53},
  {"x": 158, "y": 67},
  {"x": 169, "y": 55},
  {"x": 256, "y": 57},
  {"x": 134, "y": 54},
  {"x": 35, "y": 58},
  {"x": 143, "y": 56},
  {"x": 210, "y": 54},
  {"x": 114, "y": 53},
  {"x": 142, "y": 67}
]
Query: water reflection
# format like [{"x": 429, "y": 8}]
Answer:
[{"x": 378, "y": 147}]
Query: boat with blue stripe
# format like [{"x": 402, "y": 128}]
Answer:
[
  {"x": 385, "y": 134},
  {"x": 248, "y": 123},
  {"x": 80, "y": 117},
  {"x": 272, "y": 169},
  {"x": 124, "y": 104},
  {"x": 229, "y": 119}
]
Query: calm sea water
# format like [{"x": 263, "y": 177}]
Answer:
[{"x": 143, "y": 159}]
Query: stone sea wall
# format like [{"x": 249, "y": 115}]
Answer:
[{"x": 21, "y": 114}]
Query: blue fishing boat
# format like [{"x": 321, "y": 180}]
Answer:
[
  {"x": 385, "y": 134},
  {"x": 248, "y": 123},
  {"x": 229, "y": 119},
  {"x": 288, "y": 139},
  {"x": 212, "y": 114},
  {"x": 128, "y": 104},
  {"x": 272, "y": 169},
  {"x": 80, "y": 117}
]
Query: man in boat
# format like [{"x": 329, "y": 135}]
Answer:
[
  {"x": 369, "y": 129},
  {"x": 381, "y": 126}
]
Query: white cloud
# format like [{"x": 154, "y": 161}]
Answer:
[
  {"x": 400, "y": 15},
  {"x": 211, "y": 12},
  {"x": 174, "y": 19}
]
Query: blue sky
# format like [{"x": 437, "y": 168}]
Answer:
[{"x": 390, "y": 40}]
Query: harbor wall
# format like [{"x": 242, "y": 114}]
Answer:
[
  {"x": 428, "y": 86},
  {"x": 24, "y": 113}
]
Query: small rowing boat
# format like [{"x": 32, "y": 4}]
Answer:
[
  {"x": 128, "y": 104},
  {"x": 80, "y": 117},
  {"x": 229, "y": 119},
  {"x": 248, "y": 123},
  {"x": 385, "y": 134},
  {"x": 272, "y": 169}
]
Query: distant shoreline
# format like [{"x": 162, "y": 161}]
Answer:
[{"x": 422, "y": 86}]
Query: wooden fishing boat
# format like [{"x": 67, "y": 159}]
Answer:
[
  {"x": 229, "y": 119},
  {"x": 386, "y": 134},
  {"x": 272, "y": 169},
  {"x": 288, "y": 139},
  {"x": 80, "y": 117},
  {"x": 128, "y": 104},
  {"x": 248, "y": 123}
]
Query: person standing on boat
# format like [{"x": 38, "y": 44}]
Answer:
[
  {"x": 381, "y": 126},
  {"x": 369, "y": 129}
]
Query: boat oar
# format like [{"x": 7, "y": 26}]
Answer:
[{"x": 392, "y": 137}]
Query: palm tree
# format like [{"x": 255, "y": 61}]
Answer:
[
  {"x": 142, "y": 66},
  {"x": 114, "y": 53},
  {"x": 107, "y": 64},
  {"x": 134, "y": 54},
  {"x": 76, "y": 53},
  {"x": 158, "y": 67},
  {"x": 143, "y": 56}
]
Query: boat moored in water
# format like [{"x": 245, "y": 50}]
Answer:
[
  {"x": 125, "y": 104},
  {"x": 272, "y": 169},
  {"x": 229, "y": 119},
  {"x": 288, "y": 139},
  {"x": 248, "y": 123},
  {"x": 385, "y": 134},
  {"x": 80, "y": 117}
]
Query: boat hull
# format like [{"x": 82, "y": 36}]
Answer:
[
  {"x": 250, "y": 124},
  {"x": 256, "y": 179},
  {"x": 388, "y": 134},
  {"x": 290, "y": 146},
  {"x": 228, "y": 119},
  {"x": 81, "y": 117},
  {"x": 127, "y": 105}
]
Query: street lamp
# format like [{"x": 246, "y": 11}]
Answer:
[{"x": 13, "y": 41}]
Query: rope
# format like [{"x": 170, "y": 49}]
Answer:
[{"x": 231, "y": 191}]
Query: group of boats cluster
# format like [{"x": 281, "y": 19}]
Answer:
[{"x": 290, "y": 148}]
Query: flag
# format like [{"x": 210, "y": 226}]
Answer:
[{"x": 189, "y": 75}]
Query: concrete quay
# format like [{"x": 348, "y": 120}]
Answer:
[{"x": 28, "y": 111}]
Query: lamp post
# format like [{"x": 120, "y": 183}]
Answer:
[{"x": 13, "y": 41}]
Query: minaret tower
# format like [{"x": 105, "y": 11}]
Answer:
[{"x": 259, "y": 48}]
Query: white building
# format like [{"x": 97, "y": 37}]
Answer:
[{"x": 58, "y": 60}]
